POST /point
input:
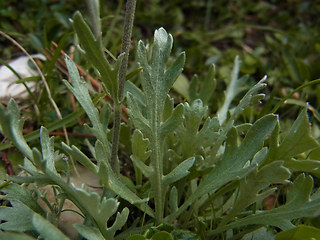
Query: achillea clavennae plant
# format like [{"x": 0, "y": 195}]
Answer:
[{"x": 206, "y": 174}]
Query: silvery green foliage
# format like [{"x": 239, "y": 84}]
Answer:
[
  {"x": 41, "y": 170},
  {"x": 300, "y": 203},
  {"x": 102, "y": 145},
  {"x": 185, "y": 161},
  {"x": 153, "y": 121}
]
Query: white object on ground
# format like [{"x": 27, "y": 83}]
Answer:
[{"x": 8, "y": 87}]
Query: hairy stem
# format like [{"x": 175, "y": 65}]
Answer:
[
  {"x": 130, "y": 9},
  {"x": 158, "y": 191},
  {"x": 156, "y": 159}
]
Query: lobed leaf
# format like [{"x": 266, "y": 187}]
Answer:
[
  {"x": 233, "y": 164},
  {"x": 137, "y": 117},
  {"x": 95, "y": 54},
  {"x": 80, "y": 91},
  {"x": 298, "y": 139},
  {"x": 12, "y": 125},
  {"x": 47, "y": 148},
  {"x": 299, "y": 204},
  {"x": 179, "y": 172},
  {"x": 22, "y": 194},
  {"x": 46, "y": 229},
  {"x": 193, "y": 133},
  {"x": 172, "y": 122},
  {"x": 255, "y": 186},
  {"x": 250, "y": 98},
  {"x": 156, "y": 79},
  {"x": 206, "y": 91},
  {"x": 17, "y": 218},
  {"x": 112, "y": 182},
  {"x": 121, "y": 219},
  {"x": 79, "y": 156}
]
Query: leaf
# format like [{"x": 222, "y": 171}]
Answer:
[
  {"x": 130, "y": 87},
  {"x": 18, "y": 218},
  {"x": 299, "y": 232},
  {"x": 193, "y": 134},
  {"x": 179, "y": 172},
  {"x": 234, "y": 88},
  {"x": 121, "y": 219},
  {"x": 173, "y": 199},
  {"x": 22, "y": 194},
  {"x": 101, "y": 209},
  {"x": 12, "y": 125},
  {"x": 156, "y": 79},
  {"x": 250, "y": 98},
  {"x": 139, "y": 146},
  {"x": 145, "y": 169},
  {"x": 254, "y": 187},
  {"x": 88, "y": 232},
  {"x": 102, "y": 214},
  {"x": 66, "y": 121},
  {"x": 46, "y": 229},
  {"x": 47, "y": 148},
  {"x": 307, "y": 165},
  {"x": 207, "y": 89},
  {"x": 80, "y": 91},
  {"x": 160, "y": 228},
  {"x": 36, "y": 177},
  {"x": 14, "y": 236},
  {"x": 95, "y": 54},
  {"x": 112, "y": 182},
  {"x": 136, "y": 115},
  {"x": 76, "y": 154},
  {"x": 232, "y": 165},
  {"x": 298, "y": 140},
  {"x": 299, "y": 204},
  {"x": 172, "y": 122}
]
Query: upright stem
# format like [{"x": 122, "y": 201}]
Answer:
[
  {"x": 157, "y": 178},
  {"x": 156, "y": 159},
  {"x": 130, "y": 10}
]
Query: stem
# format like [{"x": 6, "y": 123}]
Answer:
[
  {"x": 156, "y": 160},
  {"x": 158, "y": 192},
  {"x": 130, "y": 9},
  {"x": 126, "y": 39}
]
